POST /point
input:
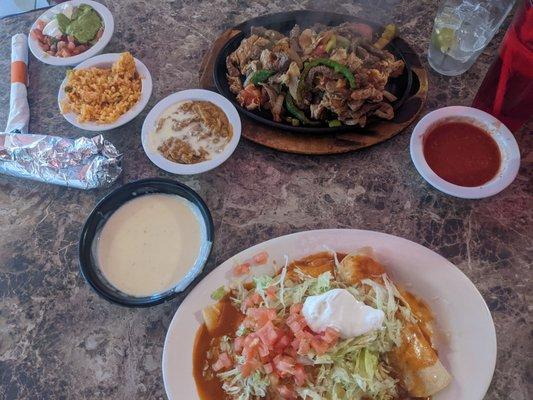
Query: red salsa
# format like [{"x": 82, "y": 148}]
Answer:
[{"x": 461, "y": 153}]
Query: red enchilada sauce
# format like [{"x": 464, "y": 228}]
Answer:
[
  {"x": 230, "y": 319},
  {"x": 461, "y": 153}
]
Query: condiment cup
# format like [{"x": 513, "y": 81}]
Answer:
[
  {"x": 89, "y": 267},
  {"x": 150, "y": 122},
  {"x": 97, "y": 48},
  {"x": 510, "y": 154},
  {"x": 106, "y": 61}
]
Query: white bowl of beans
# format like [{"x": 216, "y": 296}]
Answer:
[{"x": 66, "y": 50}]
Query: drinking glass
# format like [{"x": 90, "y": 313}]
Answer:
[
  {"x": 507, "y": 90},
  {"x": 461, "y": 31}
]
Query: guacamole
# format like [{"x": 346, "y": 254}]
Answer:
[{"x": 83, "y": 25}]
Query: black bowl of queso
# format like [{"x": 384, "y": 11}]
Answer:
[{"x": 145, "y": 242}]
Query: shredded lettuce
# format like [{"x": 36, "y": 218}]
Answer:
[
  {"x": 242, "y": 388},
  {"x": 219, "y": 293},
  {"x": 354, "y": 368},
  {"x": 242, "y": 330},
  {"x": 306, "y": 393},
  {"x": 239, "y": 293},
  {"x": 322, "y": 284},
  {"x": 354, "y": 371},
  {"x": 309, "y": 286}
]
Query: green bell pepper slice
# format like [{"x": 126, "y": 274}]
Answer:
[
  {"x": 296, "y": 112},
  {"x": 260, "y": 76}
]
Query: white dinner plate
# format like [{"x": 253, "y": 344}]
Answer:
[
  {"x": 467, "y": 340},
  {"x": 106, "y": 61}
]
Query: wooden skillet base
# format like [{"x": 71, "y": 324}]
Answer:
[{"x": 374, "y": 133}]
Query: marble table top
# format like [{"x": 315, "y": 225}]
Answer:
[{"x": 59, "y": 340}]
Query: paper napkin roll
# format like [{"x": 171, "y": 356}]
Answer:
[{"x": 19, "y": 110}]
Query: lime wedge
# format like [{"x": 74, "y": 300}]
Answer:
[{"x": 444, "y": 39}]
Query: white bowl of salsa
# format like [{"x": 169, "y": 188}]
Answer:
[{"x": 465, "y": 152}]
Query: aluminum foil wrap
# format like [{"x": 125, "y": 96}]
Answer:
[{"x": 84, "y": 163}]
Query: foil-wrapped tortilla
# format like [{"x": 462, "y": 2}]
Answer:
[{"x": 84, "y": 163}]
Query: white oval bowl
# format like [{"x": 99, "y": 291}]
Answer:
[
  {"x": 109, "y": 27},
  {"x": 191, "y": 94},
  {"x": 466, "y": 339},
  {"x": 105, "y": 61},
  {"x": 510, "y": 154}
]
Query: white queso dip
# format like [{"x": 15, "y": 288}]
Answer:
[{"x": 150, "y": 243}]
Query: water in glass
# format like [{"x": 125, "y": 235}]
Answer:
[{"x": 461, "y": 31}]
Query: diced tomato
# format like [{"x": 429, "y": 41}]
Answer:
[
  {"x": 40, "y": 24},
  {"x": 299, "y": 375},
  {"x": 268, "y": 334},
  {"x": 330, "y": 336},
  {"x": 217, "y": 366},
  {"x": 248, "y": 323},
  {"x": 284, "y": 365},
  {"x": 307, "y": 335},
  {"x": 253, "y": 300},
  {"x": 296, "y": 342},
  {"x": 291, "y": 318},
  {"x": 268, "y": 368},
  {"x": 264, "y": 350},
  {"x": 261, "y": 315},
  {"x": 290, "y": 351},
  {"x": 319, "y": 346},
  {"x": 246, "y": 369},
  {"x": 251, "y": 342},
  {"x": 223, "y": 362},
  {"x": 296, "y": 308},
  {"x": 238, "y": 344},
  {"x": 260, "y": 258},
  {"x": 241, "y": 269},
  {"x": 250, "y": 353},
  {"x": 297, "y": 327},
  {"x": 271, "y": 292},
  {"x": 286, "y": 392},
  {"x": 37, "y": 34},
  {"x": 303, "y": 347},
  {"x": 283, "y": 341},
  {"x": 224, "y": 358}
]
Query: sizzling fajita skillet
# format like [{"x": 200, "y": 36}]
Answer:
[{"x": 409, "y": 88}]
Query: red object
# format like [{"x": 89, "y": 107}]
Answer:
[
  {"x": 241, "y": 269},
  {"x": 507, "y": 90},
  {"x": 462, "y": 153},
  {"x": 260, "y": 258}
]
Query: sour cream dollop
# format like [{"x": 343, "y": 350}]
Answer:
[
  {"x": 52, "y": 27},
  {"x": 338, "y": 309}
]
